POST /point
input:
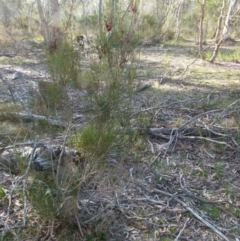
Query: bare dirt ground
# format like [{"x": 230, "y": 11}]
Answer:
[{"x": 185, "y": 186}]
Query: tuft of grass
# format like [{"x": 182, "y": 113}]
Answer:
[
  {"x": 97, "y": 236},
  {"x": 166, "y": 238},
  {"x": 237, "y": 212},
  {"x": 41, "y": 192},
  {"x": 7, "y": 235},
  {"x": 178, "y": 122},
  {"x": 218, "y": 170},
  {"x": 214, "y": 211}
]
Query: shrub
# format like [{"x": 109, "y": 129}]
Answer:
[{"x": 63, "y": 64}]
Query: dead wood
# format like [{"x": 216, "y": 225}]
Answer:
[
  {"x": 184, "y": 132},
  {"x": 33, "y": 117}
]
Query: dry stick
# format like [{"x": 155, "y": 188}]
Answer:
[
  {"x": 199, "y": 137},
  {"x": 167, "y": 145},
  {"x": 181, "y": 127},
  {"x": 34, "y": 117},
  {"x": 179, "y": 234},
  {"x": 30, "y": 116},
  {"x": 60, "y": 159},
  {"x": 206, "y": 139},
  {"x": 194, "y": 213},
  {"x": 195, "y": 117},
  {"x": 25, "y": 203},
  {"x": 79, "y": 227},
  {"x": 225, "y": 110}
]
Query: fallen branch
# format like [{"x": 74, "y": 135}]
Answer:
[
  {"x": 179, "y": 234},
  {"x": 224, "y": 112},
  {"x": 194, "y": 213},
  {"x": 33, "y": 117}
]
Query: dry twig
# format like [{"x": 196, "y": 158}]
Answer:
[{"x": 194, "y": 213}]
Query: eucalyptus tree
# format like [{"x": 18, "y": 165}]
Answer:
[{"x": 223, "y": 29}]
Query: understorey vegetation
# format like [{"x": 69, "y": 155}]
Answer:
[{"x": 124, "y": 129}]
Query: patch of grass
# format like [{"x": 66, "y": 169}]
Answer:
[
  {"x": 218, "y": 170},
  {"x": 2, "y": 193},
  {"x": 52, "y": 94},
  {"x": 227, "y": 55},
  {"x": 214, "y": 211},
  {"x": 10, "y": 107},
  {"x": 13, "y": 132},
  {"x": 238, "y": 136},
  {"x": 200, "y": 172},
  {"x": 166, "y": 60},
  {"x": 228, "y": 189},
  {"x": 11, "y": 60},
  {"x": 236, "y": 212},
  {"x": 96, "y": 237},
  {"x": 172, "y": 230},
  {"x": 7, "y": 236},
  {"x": 42, "y": 196},
  {"x": 178, "y": 122},
  {"x": 236, "y": 117},
  {"x": 199, "y": 161},
  {"x": 166, "y": 238}
]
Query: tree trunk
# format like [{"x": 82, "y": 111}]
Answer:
[
  {"x": 203, "y": 4},
  {"x": 44, "y": 25},
  {"x": 30, "y": 19},
  {"x": 51, "y": 31},
  {"x": 69, "y": 19},
  {"x": 56, "y": 35},
  {"x": 225, "y": 33},
  {"x": 100, "y": 18},
  {"x": 179, "y": 19}
]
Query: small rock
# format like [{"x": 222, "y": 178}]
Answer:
[{"x": 16, "y": 75}]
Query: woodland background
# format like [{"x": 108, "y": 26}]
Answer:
[{"x": 132, "y": 135}]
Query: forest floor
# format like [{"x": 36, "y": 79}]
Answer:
[{"x": 183, "y": 186}]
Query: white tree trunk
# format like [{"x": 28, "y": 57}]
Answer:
[
  {"x": 179, "y": 19},
  {"x": 225, "y": 32},
  {"x": 203, "y": 4},
  {"x": 100, "y": 18},
  {"x": 44, "y": 25}
]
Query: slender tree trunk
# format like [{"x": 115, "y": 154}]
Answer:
[
  {"x": 179, "y": 19},
  {"x": 203, "y": 4},
  {"x": 44, "y": 25},
  {"x": 85, "y": 29},
  {"x": 30, "y": 19},
  {"x": 69, "y": 20},
  {"x": 56, "y": 34},
  {"x": 100, "y": 18},
  {"x": 113, "y": 11},
  {"x": 220, "y": 37}
]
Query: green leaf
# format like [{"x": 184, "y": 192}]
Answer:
[{"x": 2, "y": 193}]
